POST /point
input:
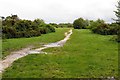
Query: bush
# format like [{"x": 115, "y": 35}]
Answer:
[
  {"x": 114, "y": 28},
  {"x": 9, "y": 32},
  {"x": 43, "y": 30},
  {"x": 102, "y": 28},
  {"x": 50, "y": 28},
  {"x": 115, "y": 38},
  {"x": 24, "y": 28}
]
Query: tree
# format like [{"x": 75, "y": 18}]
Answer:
[
  {"x": 117, "y": 13},
  {"x": 79, "y": 23}
]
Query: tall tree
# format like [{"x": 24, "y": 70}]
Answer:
[{"x": 117, "y": 13}]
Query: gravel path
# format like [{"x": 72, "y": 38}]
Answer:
[{"x": 24, "y": 52}]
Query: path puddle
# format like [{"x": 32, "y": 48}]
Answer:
[{"x": 24, "y": 52}]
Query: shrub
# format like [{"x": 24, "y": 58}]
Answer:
[
  {"x": 24, "y": 28},
  {"x": 102, "y": 28},
  {"x": 52, "y": 29},
  {"x": 115, "y": 38},
  {"x": 43, "y": 30},
  {"x": 9, "y": 32},
  {"x": 114, "y": 28},
  {"x": 49, "y": 28}
]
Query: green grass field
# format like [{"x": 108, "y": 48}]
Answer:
[
  {"x": 85, "y": 55},
  {"x": 9, "y": 45}
]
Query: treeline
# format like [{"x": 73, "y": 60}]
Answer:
[
  {"x": 99, "y": 26},
  {"x": 62, "y": 25},
  {"x": 14, "y": 27}
]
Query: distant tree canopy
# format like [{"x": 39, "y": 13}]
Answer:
[
  {"x": 80, "y": 23},
  {"x": 65, "y": 25},
  {"x": 13, "y": 27},
  {"x": 62, "y": 25},
  {"x": 54, "y": 24},
  {"x": 100, "y": 27}
]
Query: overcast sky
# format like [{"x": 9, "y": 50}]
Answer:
[{"x": 59, "y": 10}]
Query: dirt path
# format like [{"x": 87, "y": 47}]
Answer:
[{"x": 24, "y": 52}]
